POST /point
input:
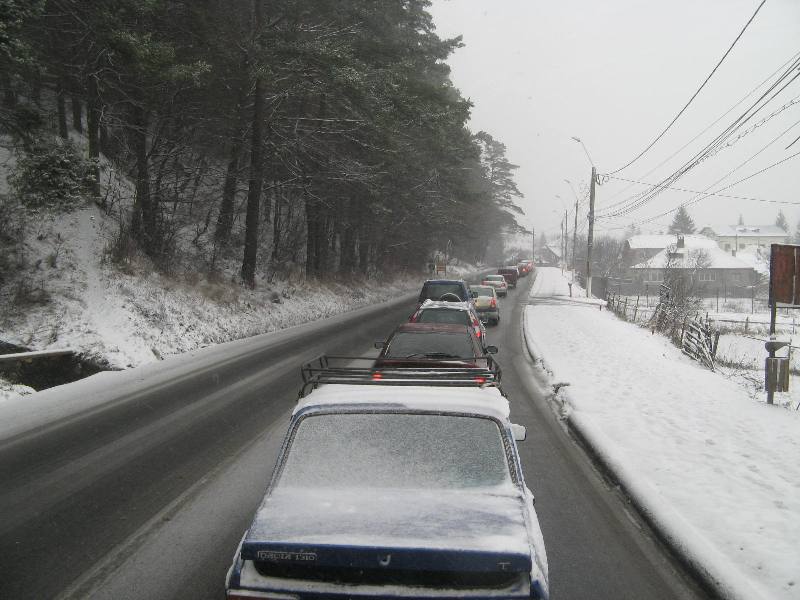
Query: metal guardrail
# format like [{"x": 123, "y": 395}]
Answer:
[{"x": 36, "y": 354}]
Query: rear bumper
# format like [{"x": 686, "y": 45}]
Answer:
[{"x": 249, "y": 583}]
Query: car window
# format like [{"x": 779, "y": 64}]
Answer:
[
  {"x": 494, "y": 278},
  {"x": 444, "y": 315},
  {"x": 483, "y": 290},
  {"x": 395, "y": 450},
  {"x": 405, "y": 344},
  {"x": 434, "y": 291}
]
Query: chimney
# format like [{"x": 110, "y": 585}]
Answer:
[{"x": 680, "y": 241}]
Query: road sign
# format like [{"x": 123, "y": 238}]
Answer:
[{"x": 784, "y": 276}]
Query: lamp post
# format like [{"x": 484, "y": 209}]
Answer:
[{"x": 590, "y": 236}]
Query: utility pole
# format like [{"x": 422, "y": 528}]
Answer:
[
  {"x": 591, "y": 235},
  {"x": 574, "y": 237},
  {"x": 566, "y": 239},
  {"x": 562, "y": 246},
  {"x": 533, "y": 244}
]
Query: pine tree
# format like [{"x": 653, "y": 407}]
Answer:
[
  {"x": 781, "y": 221},
  {"x": 682, "y": 223}
]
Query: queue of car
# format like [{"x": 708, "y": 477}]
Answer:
[{"x": 399, "y": 476}]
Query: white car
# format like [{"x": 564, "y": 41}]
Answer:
[
  {"x": 389, "y": 489},
  {"x": 457, "y": 313},
  {"x": 498, "y": 282}
]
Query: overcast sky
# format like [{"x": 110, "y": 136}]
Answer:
[{"x": 614, "y": 73}]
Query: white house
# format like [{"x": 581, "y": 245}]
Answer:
[{"x": 733, "y": 238}]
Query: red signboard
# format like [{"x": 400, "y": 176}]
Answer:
[{"x": 784, "y": 275}]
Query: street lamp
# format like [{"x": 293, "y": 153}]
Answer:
[
  {"x": 577, "y": 139},
  {"x": 591, "y": 220}
]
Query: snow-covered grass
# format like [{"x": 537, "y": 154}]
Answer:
[
  {"x": 714, "y": 468},
  {"x": 70, "y": 297}
]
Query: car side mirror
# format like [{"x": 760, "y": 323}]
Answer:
[
  {"x": 379, "y": 345},
  {"x": 473, "y": 294},
  {"x": 491, "y": 349},
  {"x": 519, "y": 431}
]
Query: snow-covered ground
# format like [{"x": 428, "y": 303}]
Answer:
[
  {"x": 135, "y": 316},
  {"x": 717, "y": 470}
]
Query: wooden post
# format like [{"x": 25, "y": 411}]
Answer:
[
  {"x": 746, "y": 323},
  {"x": 625, "y": 309},
  {"x": 717, "y": 299},
  {"x": 636, "y": 309}
]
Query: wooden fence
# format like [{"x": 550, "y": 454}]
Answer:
[{"x": 695, "y": 335}]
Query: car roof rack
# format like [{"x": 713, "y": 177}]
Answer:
[{"x": 340, "y": 369}]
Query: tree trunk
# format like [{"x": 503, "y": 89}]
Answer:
[
  {"x": 92, "y": 130},
  {"x": 61, "y": 106},
  {"x": 144, "y": 220},
  {"x": 222, "y": 233},
  {"x": 254, "y": 189},
  {"x": 256, "y": 167},
  {"x": 9, "y": 96},
  {"x": 77, "y": 114}
]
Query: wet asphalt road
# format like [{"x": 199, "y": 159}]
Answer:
[{"x": 148, "y": 495}]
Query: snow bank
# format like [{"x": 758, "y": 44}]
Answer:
[
  {"x": 716, "y": 470},
  {"x": 130, "y": 319}
]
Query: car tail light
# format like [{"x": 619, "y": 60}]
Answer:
[
  {"x": 493, "y": 303},
  {"x": 479, "y": 379},
  {"x": 377, "y": 376}
]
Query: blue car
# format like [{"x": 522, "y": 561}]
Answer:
[
  {"x": 446, "y": 290},
  {"x": 395, "y": 491}
]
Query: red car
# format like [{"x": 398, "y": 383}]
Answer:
[
  {"x": 459, "y": 313},
  {"x": 415, "y": 345},
  {"x": 511, "y": 275}
]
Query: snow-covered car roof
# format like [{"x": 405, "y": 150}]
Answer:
[
  {"x": 487, "y": 401},
  {"x": 444, "y": 304}
]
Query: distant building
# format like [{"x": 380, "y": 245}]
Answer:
[
  {"x": 645, "y": 258},
  {"x": 550, "y": 255},
  {"x": 732, "y": 238},
  {"x": 639, "y": 248}
]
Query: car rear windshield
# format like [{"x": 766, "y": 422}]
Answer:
[
  {"x": 430, "y": 344},
  {"x": 444, "y": 315},
  {"x": 434, "y": 291},
  {"x": 494, "y": 278},
  {"x": 483, "y": 290},
  {"x": 396, "y": 450}
]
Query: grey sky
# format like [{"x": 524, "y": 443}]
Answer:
[{"x": 614, "y": 73}]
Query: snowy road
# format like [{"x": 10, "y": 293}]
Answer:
[{"x": 144, "y": 487}]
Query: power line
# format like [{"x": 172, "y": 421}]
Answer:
[
  {"x": 637, "y": 201},
  {"x": 677, "y": 189},
  {"x": 714, "y": 70},
  {"x": 727, "y": 187},
  {"x": 793, "y": 58}
]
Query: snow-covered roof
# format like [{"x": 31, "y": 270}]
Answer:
[
  {"x": 662, "y": 241},
  {"x": 748, "y": 230},
  {"x": 486, "y": 401},
  {"x": 555, "y": 251},
  {"x": 685, "y": 259}
]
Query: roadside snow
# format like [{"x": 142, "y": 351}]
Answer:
[
  {"x": 715, "y": 469},
  {"x": 129, "y": 318}
]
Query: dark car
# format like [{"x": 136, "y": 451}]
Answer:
[
  {"x": 511, "y": 275},
  {"x": 434, "y": 345},
  {"x": 447, "y": 290}
]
